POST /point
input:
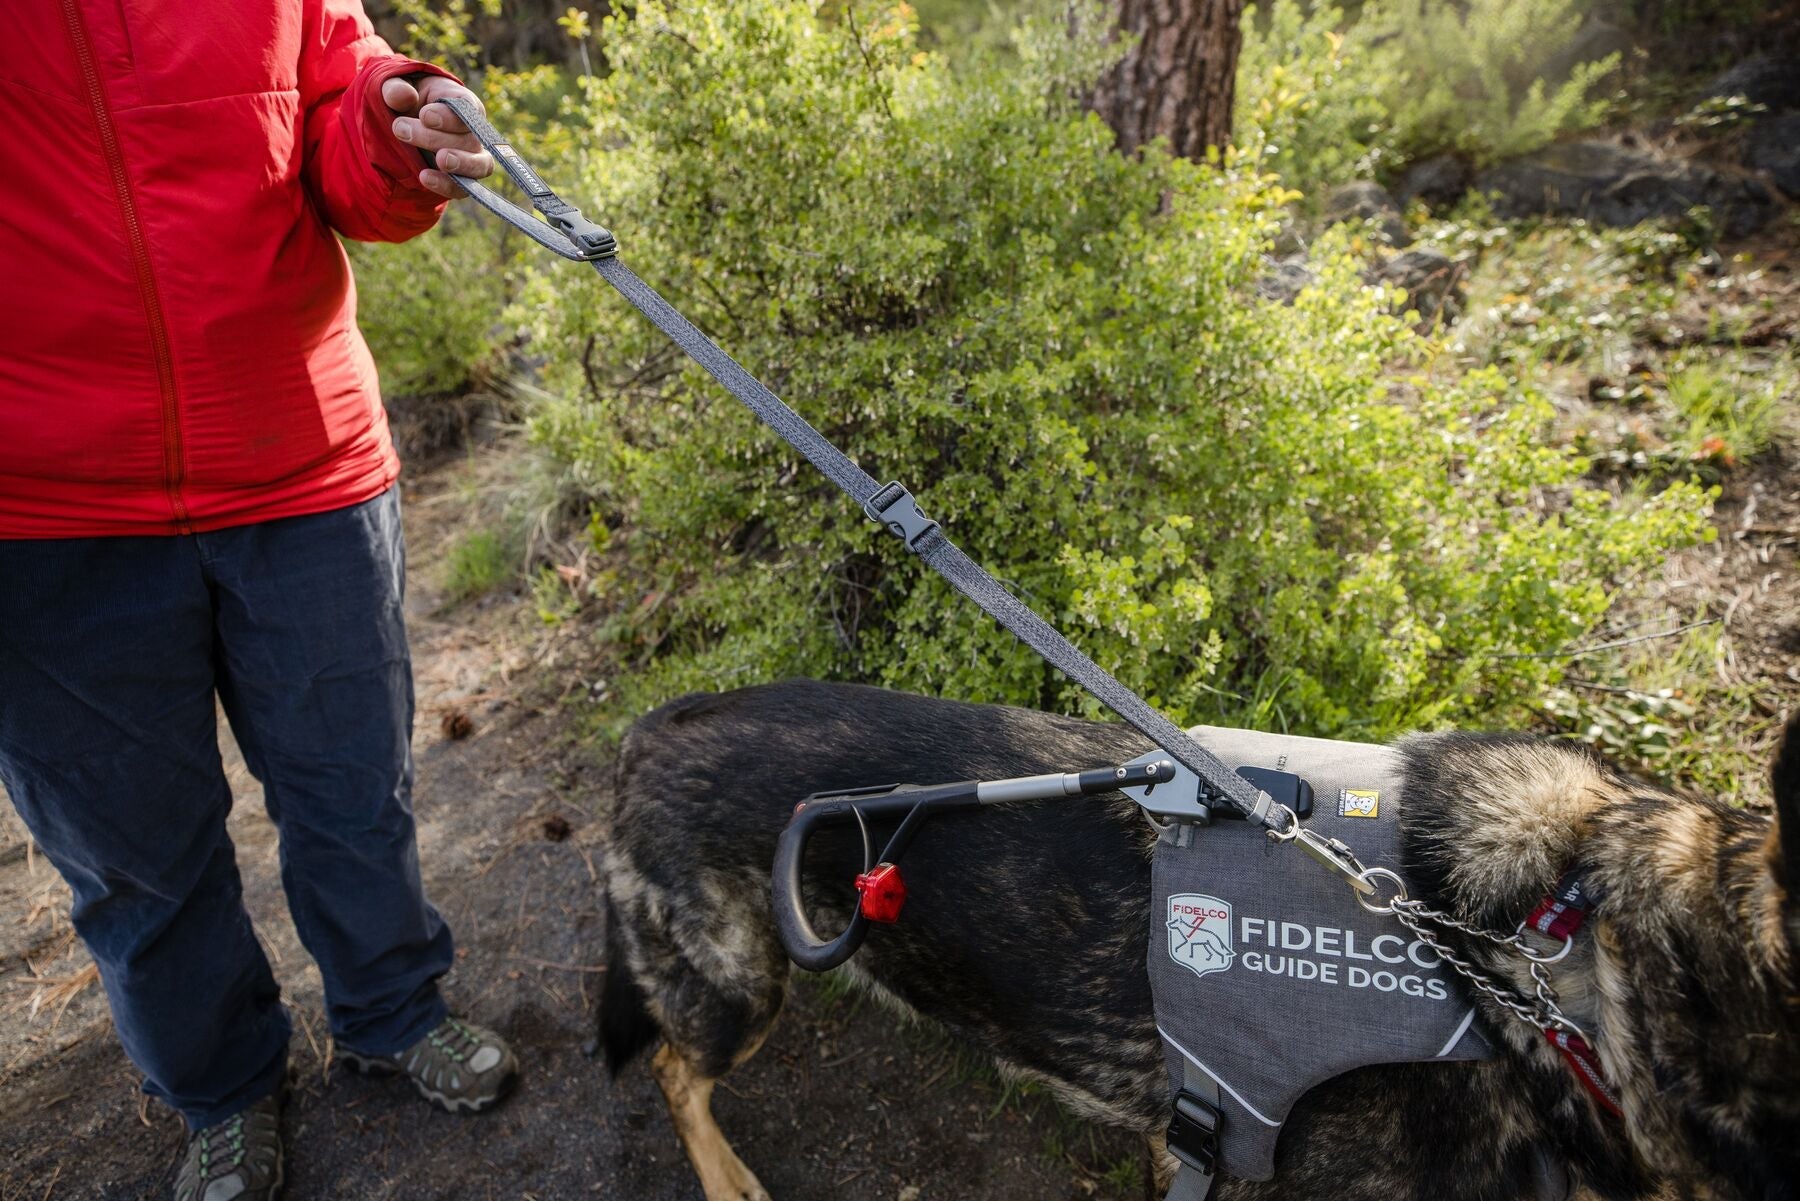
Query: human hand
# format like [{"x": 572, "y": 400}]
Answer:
[{"x": 422, "y": 123}]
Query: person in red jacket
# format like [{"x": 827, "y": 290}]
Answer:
[{"x": 197, "y": 501}]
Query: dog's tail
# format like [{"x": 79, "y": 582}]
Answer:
[{"x": 626, "y": 1027}]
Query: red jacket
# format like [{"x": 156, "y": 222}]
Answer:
[{"x": 178, "y": 341}]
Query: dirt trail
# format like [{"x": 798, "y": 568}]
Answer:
[{"x": 840, "y": 1100}]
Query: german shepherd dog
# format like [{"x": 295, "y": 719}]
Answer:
[{"x": 1686, "y": 975}]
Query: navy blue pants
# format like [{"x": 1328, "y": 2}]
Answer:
[{"x": 111, "y": 653}]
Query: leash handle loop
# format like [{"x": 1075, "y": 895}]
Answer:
[
  {"x": 573, "y": 236},
  {"x": 799, "y": 939}
]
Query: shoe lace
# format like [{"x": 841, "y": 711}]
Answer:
[
  {"x": 221, "y": 1147},
  {"x": 455, "y": 1040}
]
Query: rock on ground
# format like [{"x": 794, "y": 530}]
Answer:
[
  {"x": 1612, "y": 185},
  {"x": 1367, "y": 202},
  {"x": 1434, "y": 283},
  {"x": 1286, "y": 278},
  {"x": 1765, "y": 80},
  {"x": 1774, "y": 147},
  {"x": 1439, "y": 181}
]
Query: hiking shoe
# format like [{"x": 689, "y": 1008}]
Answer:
[
  {"x": 459, "y": 1067},
  {"x": 238, "y": 1159}
]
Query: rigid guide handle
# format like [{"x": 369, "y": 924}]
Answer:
[
  {"x": 881, "y": 891},
  {"x": 802, "y": 942},
  {"x": 798, "y": 938}
]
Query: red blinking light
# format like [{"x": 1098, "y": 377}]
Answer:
[{"x": 883, "y": 892}]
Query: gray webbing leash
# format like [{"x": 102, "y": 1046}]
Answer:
[{"x": 574, "y": 237}]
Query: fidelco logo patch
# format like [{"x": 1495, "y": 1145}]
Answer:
[{"x": 1200, "y": 933}]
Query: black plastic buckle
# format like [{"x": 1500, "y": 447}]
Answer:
[
  {"x": 895, "y": 508},
  {"x": 1283, "y": 787},
  {"x": 1194, "y": 1132},
  {"x": 593, "y": 241}
]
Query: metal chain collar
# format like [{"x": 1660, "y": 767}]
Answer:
[{"x": 1542, "y": 1010}]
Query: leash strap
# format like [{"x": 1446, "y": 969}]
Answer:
[{"x": 572, "y": 236}]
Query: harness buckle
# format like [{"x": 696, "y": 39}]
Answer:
[
  {"x": 894, "y": 508},
  {"x": 1193, "y": 1135}
]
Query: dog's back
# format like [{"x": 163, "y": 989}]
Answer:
[{"x": 705, "y": 784}]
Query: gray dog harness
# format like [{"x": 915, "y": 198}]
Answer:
[{"x": 1313, "y": 984}]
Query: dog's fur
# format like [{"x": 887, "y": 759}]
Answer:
[{"x": 1026, "y": 928}]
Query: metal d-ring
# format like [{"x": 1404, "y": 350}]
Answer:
[
  {"x": 1369, "y": 874},
  {"x": 1568, "y": 944}
]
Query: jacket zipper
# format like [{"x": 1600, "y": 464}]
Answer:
[{"x": 174, "y": 457}]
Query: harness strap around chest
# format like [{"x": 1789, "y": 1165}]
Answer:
[{"x": 1193, "y": 1136}]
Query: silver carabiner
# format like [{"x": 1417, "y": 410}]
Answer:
[{"x": 1337, "y": 858}]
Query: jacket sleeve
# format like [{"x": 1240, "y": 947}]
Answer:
[{"x": 363, "y": 180}]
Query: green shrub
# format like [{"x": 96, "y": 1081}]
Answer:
[
  {"x": 1323, "y": 99},
  {"x": 1722, "y": 412},
  {"x": 958, "y": 27},
  {"x": 1307, "y": 98},
  {"x": 1464, "y": 77},
  {"x": 439, "y": 30},
  {"x": 1676, "y": 707},
  {"x": 1564, "y": 292},
  {"x": 480, "y": 562},
  {"x": 1253, "y": 513}
]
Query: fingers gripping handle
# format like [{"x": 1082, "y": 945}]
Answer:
[
  {"x": 569, "y": 234},
  {"x": 508, "y": 158},
  {"x": 798, "y": 938}
]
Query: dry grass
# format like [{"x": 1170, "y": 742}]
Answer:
[{"x": 45, "y": 993}]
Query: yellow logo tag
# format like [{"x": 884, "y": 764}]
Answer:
[{"x": 1359, "y": 802}]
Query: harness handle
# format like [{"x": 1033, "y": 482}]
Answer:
[
  {"x": 798, "y": 937},
  {"x": 881, "y": 892}
]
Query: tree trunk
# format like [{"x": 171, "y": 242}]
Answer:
[{"x": 1178, "y": 81}]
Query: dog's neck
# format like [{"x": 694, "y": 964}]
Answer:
[
  {"x": 1525, "y": 811},
  {"x": 1683, "y": 970}
]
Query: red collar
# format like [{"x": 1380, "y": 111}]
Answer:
[{"x": 1560, "y": 915}]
